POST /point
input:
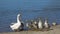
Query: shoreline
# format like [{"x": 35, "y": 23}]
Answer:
[{"x": 56, "y": 30}]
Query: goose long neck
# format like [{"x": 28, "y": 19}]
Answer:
[
  {"x": 40, "y": 21},
  {"x": 18, "y": 21}
]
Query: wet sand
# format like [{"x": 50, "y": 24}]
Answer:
[{"x": 55, "y": 30}]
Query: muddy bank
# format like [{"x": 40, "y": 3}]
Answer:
[{"x": 55, "y": 30}]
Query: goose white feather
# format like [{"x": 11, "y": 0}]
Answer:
[
  {"x": 54, "y": 23},
  {"x": 40, "y": 26},
  {"x": 27, "y": 24},
  {"x": 16, "y": 25},
  {"x": 35, "y": 22},
  {"x": 46, "y": 24}
]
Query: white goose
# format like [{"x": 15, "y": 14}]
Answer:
[
  {"x": 46, "y": 25},
  {"x": 40, "y": 25},
  {"x": 27, "y": 25},
  {"x": 16, "y": 25},
  {"x": 54, "y": 24}
]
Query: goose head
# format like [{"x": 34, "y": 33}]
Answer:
[
  {"x": 35, "y": 22},
  {"x": 19, "y": 15}
]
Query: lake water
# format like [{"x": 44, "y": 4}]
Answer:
[{"x": 9, "y": 16}]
